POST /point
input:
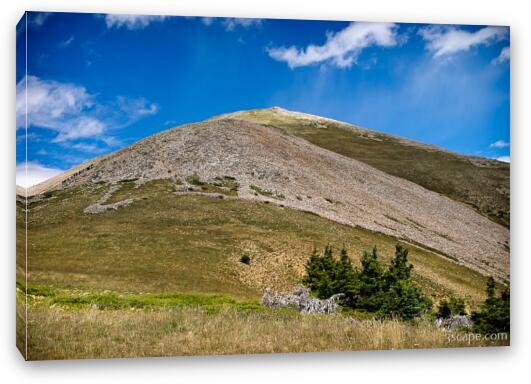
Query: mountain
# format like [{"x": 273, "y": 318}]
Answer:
[
  {"x": 479, "y": 182},
  {"x": 239, "y": 160}
]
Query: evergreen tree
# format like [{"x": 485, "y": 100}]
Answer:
[
  {"x": 321, "y": 273},
  {"x": 399, "y": 269},
  {"x": 345, "y": 279},
  {"x": 370, "y": 286},
  {"x": 405, "y": 300},
  {"x": 402, "y": 297},
  {"x": 494, "y": 314}
]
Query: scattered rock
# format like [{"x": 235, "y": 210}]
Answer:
[
  {"x": 300, "y": 299},
  {"x": 100, "y": 206},
  {"x": 454, "y": 322}
]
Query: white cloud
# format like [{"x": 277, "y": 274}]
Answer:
[
  {"x": 56, "y": 106},
  {"x": 79, "y": 128},
  {"x": 231, "y": 23},
  {"x": 131, "y": 21},
  {"x": 341, "y": 48},
  {"x": 499, "y": 144},
  {"x": 505, "y": 55},
  {"x": 445, "y": 40},
  {"x": 32, "y": 173},
  {"x": 73, "y": 113},
  {"x": 505, "y": 159}
]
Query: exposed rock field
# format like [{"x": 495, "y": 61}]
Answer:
[
  {"x": 482, "y": 183},
  {"x": 270, "y": 164}
]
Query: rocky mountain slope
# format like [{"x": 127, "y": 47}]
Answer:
[
  {"x": 481, "y": 183},
  {"x": 265, "y": 163}
]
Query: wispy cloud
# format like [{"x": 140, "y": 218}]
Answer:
[
  {"x": 505, "y": 159},
  {"x": 86, "y": 147},
  {"x": 231, "y": 23},
  {"x": 66, "y": 43},
  {"x": 444, "y": 40},
  {"x": 37, "y": 19},
  {"x": 131, "y": 21},
  {"x": 341, "y": 48},
  {"x": 72, "y": 112},
  {"x": 33, "y": 173},
  {"x": 499, "y": 144},
  {"x": 505, "y": 55}
]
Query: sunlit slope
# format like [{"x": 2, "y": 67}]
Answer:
[
  {"x": 481, "y": 183},
  {"x": 168, "y": 242}
]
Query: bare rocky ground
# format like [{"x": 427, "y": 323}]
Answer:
[{"x": 271, "y": 165}]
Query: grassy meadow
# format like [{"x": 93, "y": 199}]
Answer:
[
  {"x": 163, "y": 277},
  {"x": 78, "y": 325}
]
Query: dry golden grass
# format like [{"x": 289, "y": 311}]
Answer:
[{"x": 57, "y": 333}]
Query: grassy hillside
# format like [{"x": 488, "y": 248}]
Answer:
[
  {"x": 481, "y": 183},
  {"x": 168, "y": 242}
]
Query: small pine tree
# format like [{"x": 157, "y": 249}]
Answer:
[
  {"x": 245, "y": 259},
  {"x": 370, "y": 285},
  {"x": 399, "y": 269},
  {"x": 402, "y": 297},
  {"x": 494, "y": 314},
  {"x": 321, "y": 273},
  {"x": 405, "y": 300},
  {"x": 345, "y": 281}
]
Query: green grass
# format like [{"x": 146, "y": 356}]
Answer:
[
  {"x": 485, "y": 187},
  {"x": 189, "y": 243},
  {"x": 107, "y": 300}
]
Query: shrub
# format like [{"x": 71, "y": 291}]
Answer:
[{"x": 245, "y": 259}]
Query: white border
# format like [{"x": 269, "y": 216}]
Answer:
[{"x": 434, "y": 366}]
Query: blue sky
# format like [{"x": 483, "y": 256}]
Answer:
[{"x": 96, "y": 83}]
